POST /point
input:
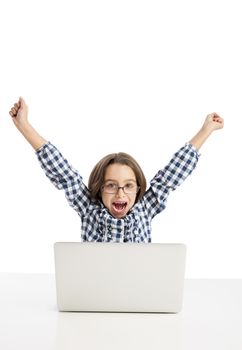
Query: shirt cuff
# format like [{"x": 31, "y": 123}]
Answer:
[
  {"x": 193, "y": 148},
  {"x": 42, "y": 147}
]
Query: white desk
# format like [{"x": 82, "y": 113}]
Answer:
[{"x": 211, "y": 319}]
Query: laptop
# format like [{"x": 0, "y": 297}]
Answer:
[{"x": 119, "y": 277}]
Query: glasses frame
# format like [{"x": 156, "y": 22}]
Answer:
[{"x": 119, "y": 188}]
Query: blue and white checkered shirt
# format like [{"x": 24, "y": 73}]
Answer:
[{"x": 97, "y": 224}]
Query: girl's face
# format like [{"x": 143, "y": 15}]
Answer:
[{"x": 114, "y": 198}]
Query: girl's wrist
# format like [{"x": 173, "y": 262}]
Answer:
[{"x": 206, "y": 130}]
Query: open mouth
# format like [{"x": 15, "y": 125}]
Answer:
[{"x": 119, "y": 207}]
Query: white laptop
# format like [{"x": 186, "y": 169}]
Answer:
[{"x": 119, "y": 277}]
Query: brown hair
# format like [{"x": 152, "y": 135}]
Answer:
[{"x": 97, "y": 175}]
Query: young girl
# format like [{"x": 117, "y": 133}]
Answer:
[{"x": 116, "y": 206}]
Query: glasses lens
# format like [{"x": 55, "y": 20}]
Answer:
[
  {"x": 113, "y": 188},
  {"x": 130, "y": 188},
  {"x": 110, "y": 188}
]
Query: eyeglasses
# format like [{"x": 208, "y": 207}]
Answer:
[{"x": 113, "y": 188}]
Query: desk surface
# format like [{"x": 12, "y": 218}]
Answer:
[{"x": 211, "y": 319}]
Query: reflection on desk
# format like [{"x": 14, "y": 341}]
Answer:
[{"x": 211, "y": 319}]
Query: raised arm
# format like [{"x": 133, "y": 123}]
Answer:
[
  {"x": 56, "y": 167},
  {"x": 19, "y": 114},
  {"x": 212, "y": 122}
]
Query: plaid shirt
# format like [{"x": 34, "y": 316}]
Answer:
[{"x": 97, "y": 224}]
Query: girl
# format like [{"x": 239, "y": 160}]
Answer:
[{"x": 116, "y": 206}]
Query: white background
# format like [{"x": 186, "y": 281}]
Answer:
[{"x": 133, "y": 76}]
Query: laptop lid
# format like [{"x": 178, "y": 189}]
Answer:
[{"x": 119, "y": 277}]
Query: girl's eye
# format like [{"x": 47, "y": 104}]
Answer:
[
  {"x": 129, "y": 186},
  {"x": 110, "y": 185}
]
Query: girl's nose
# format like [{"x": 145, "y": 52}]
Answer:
[{"x": 120, "y": 192}]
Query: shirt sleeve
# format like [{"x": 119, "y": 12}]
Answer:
[
  {"x": 64, "y": 177},
  {"x": 168, "y": 179}
]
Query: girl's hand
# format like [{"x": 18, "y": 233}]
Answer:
[
  {"x": 19, "y": 113},
  {"x": 213, "y": 122}
]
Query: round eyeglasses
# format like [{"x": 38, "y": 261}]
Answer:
[{"x": 113, "y": 188}]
